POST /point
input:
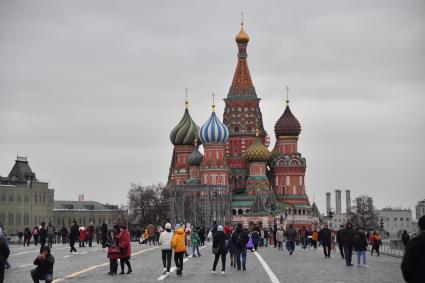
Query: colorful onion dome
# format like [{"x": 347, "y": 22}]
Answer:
[
  {"x": 287, "y": 125},
  {"x": 242, "y": 37},
  {"x": 213, "y": 131},
  {"x": 257, "y": 151},
  {"x": 195, "y": 157},
  {"x": 185, "y": 131}
]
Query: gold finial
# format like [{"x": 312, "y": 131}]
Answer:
[
  {"x": 196, "y": 136},
  {"x": 257, "y": 132},
  {"x": 213, "y": 104},
  {"x": 186, "y": 101},
  {"x": 287, "y": 96},
  {"x": 241, "y": 18}
]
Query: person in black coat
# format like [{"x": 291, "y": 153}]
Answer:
[
  {"x": 413, "y": 262},
  {"x": 74, "y": 233},
  {"x": 325, "y": 238},
  {"x": 4, "y": 254},
  {"x": 239, "y": 239},
  {"x": 104, "y": 232},
  {"x": 360, "y": 246},
  {"x": 27, "y": 236},
  {"x": 340, "y": 240},
  {"x": 43, "y": 234},
  {"x": 44, "y": 269},
  {"x": 348, "y": 235},
  {"x": 220, "y": 246}
]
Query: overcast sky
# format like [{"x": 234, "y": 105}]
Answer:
[{"x": 90, "y": 90}]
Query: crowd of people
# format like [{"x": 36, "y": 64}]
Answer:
[{"x": 234, "y": 241}]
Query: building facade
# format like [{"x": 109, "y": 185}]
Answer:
[
  {"x": 265, "y": 186},
  {"x": 24, "y": 201},
  {"x": 396, "y": 220},
  {"x": 86, "y": 212},
  {"x": 420, "y": 209}
]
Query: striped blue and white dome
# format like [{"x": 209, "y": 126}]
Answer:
[{"x": 213, "y": 131}]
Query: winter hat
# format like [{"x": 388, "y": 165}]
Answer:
[
  {"x": 177, "y": 226},
  {"x": 168, "y": 226},
  {"x": 220, "y": 228},
  {"x": 123, "y": 226}
]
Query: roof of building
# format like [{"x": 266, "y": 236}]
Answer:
[
  {"x": 195, "y": 157},
  {"x": 287, "y": 125},
  {"x": 257, "y": 152},
  {"x": 82, "y": 206},
  {"x": 258, "y": 205},
  {"x": 21, "y": 171}
]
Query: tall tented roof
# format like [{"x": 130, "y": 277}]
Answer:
[
  {"x": 21, "y": 171},
  {"x": 258, "y": 205},
  {"x": 195, "y": 157},
  {"x": 185, "y": 131},
  {"x": 271, "y": 199},
  {"x": 242, "y": 84},
  {"x": 287, "y": 125}
]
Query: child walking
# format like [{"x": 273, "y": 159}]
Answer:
[{"x": 195, "y": 239}]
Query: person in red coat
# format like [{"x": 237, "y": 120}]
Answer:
[
  {"x": 125, "y": 249},
  {"x": 90, "y": 234},
  {"x": 82, "y": 236}
]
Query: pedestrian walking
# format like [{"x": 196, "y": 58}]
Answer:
[
  {"x": 73, "y": 236},
  {"x": 340, "y": 240},
  {"x": 194, "y": 239},
  {"x": 348, "y": 236},
  {"x": 375, "y": 241},
  {"x": 44, "y": 263},
  {"x": 179, "y": 246},
  {"x": 360, "y": 247},
  {"x": 50, "y": 234},
  {"x": 4, "y": 254},
  {"x": 240, "y": 239},
  {"x": 219, "y": 249},
  {"x": 35, "y": 234},
  {"x": 27, "y": 236},
  {"x": 113, "y": 252},
  {"x": 104, "y": 232},
  {"x": 125, "y": 249},
  {"x": 255, "y": 237},
  {"x": 64, "y": 234},
  {"x": 291, "y": 235},
  {"x": 325, "y": 237},
  {"x": 279, "y": 238},
  {"x": 405, "y": 238},
  {"x": 20, "y": 236},
  {"x": 82, "y": 236},
  {"x": 413, "y": 262},
  {"x": 314, "y": 238},
  {"x": 90, "y": 234},
  {"x": 165, "y": 241},
  {"x": 43, "y": 234}
]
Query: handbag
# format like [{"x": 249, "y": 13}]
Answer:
[{"x": 249, "y": 245}]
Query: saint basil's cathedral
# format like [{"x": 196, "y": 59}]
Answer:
[{"x": 266, "y": 186}]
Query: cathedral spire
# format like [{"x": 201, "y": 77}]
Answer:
[{"x": 242, "y": 85}]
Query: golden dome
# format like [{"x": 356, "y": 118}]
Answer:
[
  {"x": 258, "y": 152},
  {"x": 242, "y": 37}
]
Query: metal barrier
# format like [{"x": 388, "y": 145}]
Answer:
[{"x": 392, "y": 248}]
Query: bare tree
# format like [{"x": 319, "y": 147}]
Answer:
[
  {"x": 148, "y": 204},
  {"x": 363, "y": 213}
]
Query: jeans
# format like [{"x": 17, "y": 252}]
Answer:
[
  {"x": 197, "y": 250},
  {"x": 348, "y": 252},
  {"x": 361, "y": 254},
  {"x": 327, "y": 249},
  {"x": 240, "y": 252},
  {"x": 290, "y": 245},
  {"x": 223, "y": 260},
  {"x": 166, "y": 259},
  {"x": 178, "y": 260},
  {"x": 36, "y": 276}
]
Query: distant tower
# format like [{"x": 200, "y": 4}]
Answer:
[
  {"x": 328, "y": 202},
  {"x": 338, "y": 201},
  {"x": 348, "y": 201}
]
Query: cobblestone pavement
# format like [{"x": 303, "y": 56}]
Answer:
[{"x": 269, "y": 265}]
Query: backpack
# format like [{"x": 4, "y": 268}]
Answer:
[{"x": 240, "y": 241}]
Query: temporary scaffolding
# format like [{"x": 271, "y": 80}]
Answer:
[{"x": 200, "y": 204}]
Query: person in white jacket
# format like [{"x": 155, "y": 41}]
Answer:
[{"x": 167, "y": 251}]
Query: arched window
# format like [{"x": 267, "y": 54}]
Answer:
[
  {"x": 240, "y": 211},
  {"x": 233, "y": 211},
  {"x": 304, "y": 211}
]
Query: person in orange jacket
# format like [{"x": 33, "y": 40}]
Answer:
[
  {"x": 314, "y": 238},
  {"x": 179, "y": 246}
]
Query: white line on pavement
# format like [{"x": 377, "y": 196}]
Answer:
[
  {"x": 162, "y": 277},
  {"x": 25, "y": 265},
  {"x": 267, "y": 268},
  {"x": 94, "y": 267}
]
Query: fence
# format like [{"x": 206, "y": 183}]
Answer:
[{"x": 392, "y": 248}]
